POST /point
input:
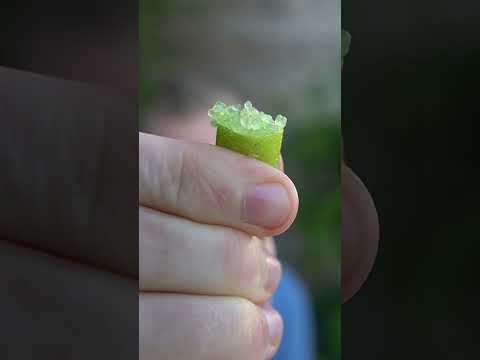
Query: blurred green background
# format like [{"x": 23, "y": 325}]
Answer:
[{"x": 285, "y": 57}]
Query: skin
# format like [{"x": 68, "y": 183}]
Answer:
[
  {"x": 215, "y": 296},
  {"x": 179, "y": 316}
]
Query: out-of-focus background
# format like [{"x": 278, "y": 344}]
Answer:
[{"x": 284, "y": 56}]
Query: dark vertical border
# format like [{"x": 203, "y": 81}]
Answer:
[
  {"x": 410, "y": 125},
  {"x": 69, "y": 180}
]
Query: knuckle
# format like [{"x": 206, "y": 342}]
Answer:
[
  {"x": 185, "y": 170},
  {"x": 156, "y": 249},
  {"x": 254, "y": 328},
  {"x": 195, "y": 179},
  {"x": 242, "y": 263}
]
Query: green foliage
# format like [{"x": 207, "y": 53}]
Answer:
[
  {"x": 346, "y": 40},
  {"x": 157, "y": 53},
  {"x": 312, "y": 158}
]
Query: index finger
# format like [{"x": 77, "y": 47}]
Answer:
[{"x": 212, "y": 185}]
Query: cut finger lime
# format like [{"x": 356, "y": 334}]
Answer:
[{"x": 249, "y": 131}]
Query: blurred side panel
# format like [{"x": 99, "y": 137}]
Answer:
[
  {"x": 69, "y": 180},
  {"x": 410, "y": 125}
]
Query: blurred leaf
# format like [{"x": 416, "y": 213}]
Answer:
[{"x": 346, "y": 41}]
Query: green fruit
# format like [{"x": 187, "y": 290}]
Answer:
[{"x": 249, "y": 131}]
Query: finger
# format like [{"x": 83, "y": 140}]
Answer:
[
  {"x": 360, "y": 233},
  {"x": 212, "y": 185},
  {"x": 269, "y": 246},
  {"x": 178, "y": 255},
  {"x": 182, "y": 327},
  {"x": 45, "y": 291}
]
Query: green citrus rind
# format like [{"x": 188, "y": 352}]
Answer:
[
  {"x": 249, "y": 132},
  {"x": 264, "y": 148}
]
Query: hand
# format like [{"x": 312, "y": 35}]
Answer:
[
  {"x": 205, "y": 276},
  {"x": 360, "y": 233}
]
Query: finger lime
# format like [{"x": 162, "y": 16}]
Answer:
[{"x": 249, "y": 131}]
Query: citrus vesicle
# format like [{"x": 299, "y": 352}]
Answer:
[{"x": 249, "y": 131}]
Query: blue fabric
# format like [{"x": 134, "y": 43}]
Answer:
[{"x": 293, "y": 302}]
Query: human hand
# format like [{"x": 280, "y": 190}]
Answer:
[
  {"x": 205, "y": 277},
  {"x": 360, "y": 232}
]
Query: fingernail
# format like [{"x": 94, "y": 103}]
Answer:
[
  {"x": 266, "y": 205},
  {"x": 275, "y": 328},
  {"x": 269, "y": 246},
  {"x": 273, "y": 274}
]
